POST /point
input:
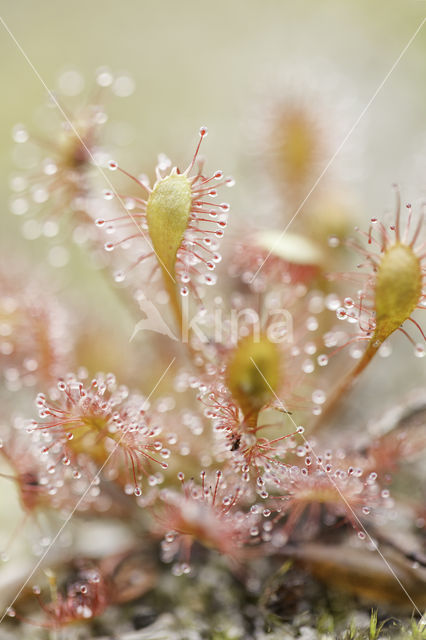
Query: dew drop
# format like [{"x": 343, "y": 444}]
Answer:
[
  {"x": 19, "y": 206},
  {"x": 332, "y": 302},
  {"x": 210, "y": 279},
  {"x": 123, "y": 86},
  {"x": 385, "y": 350},
  {"x": 20, "y": 134},
  {"x": 419, "y": 351},
  {"x": 319, "y": 396},
  {"x": 104, "y": 77},
  {"x": 312, "y": 324},
  {"x": 308, "y": 366},
  {"x": 119, "y": 276},
  {"x": 355, "y": 352},
  {"x": 71, "y": 82}
]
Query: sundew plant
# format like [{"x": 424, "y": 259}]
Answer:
[{"x": 191, "y": 471}]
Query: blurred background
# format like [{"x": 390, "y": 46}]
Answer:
[
  {"x": 196, "y": 62},
  {"x": 223, "y": 64}
]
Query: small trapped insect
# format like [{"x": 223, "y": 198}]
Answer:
[{"x": 235, "y": 442}]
